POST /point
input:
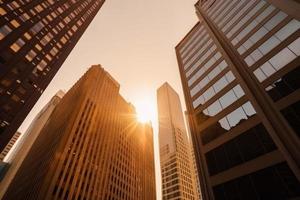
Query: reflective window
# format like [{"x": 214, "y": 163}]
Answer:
[
  {"x": 245, "y": 19},
  {"x": 214, "y": 89},
  {"x": 218, "y": 69},
  {"x": 253, "y": 24},
  {"x": 17, "y": 45},
  {"x": 204, "y": 68},
  {"x": 2, "y": 11},
  {"x": 4, "y": 31},
  {"x": 279, "y": 36},
  {"x": 31, "y": 54},
  {"x": 15, "y": 23}
]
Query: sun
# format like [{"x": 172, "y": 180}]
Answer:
[
  {"x": 146, "y": 111},
  {"x": 143, "y": 117}
]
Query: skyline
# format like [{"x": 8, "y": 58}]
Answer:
[
  {"x": 119, "y": 132},
  {"x": 152, "y": 36}
]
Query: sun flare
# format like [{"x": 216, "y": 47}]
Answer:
[{"x": 146, "y": 112}]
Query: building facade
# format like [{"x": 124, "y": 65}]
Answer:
[
  {"x": 90, "y": 148},
  {"x": 19, "y": 152},
  {"x": 240, "y": 72},
  {"x": 177, "y": 170},
  {"x": 9, "y": 145},
  {"x": 35, "y": 39},
  {"x": 193, "y": 157}
]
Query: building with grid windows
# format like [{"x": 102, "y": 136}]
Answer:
[
  {"x": 239, "y": 67},
  {"x": 176, "y": 161},
  {"x": 19, "y": 152},
  {"x": 9, "y": 145},
  {"x": 35, "y": 39},
  {"x": 91, "y": 147}
]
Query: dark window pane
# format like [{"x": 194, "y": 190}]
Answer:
[
  {"x": 292, "y": 115},
  {"x": 233, "y": 153},
  {"x": 286, "y": 85},
  {"x": 249, "y": 145},
  {"x": 219, "y": 193},
  {"x": 277, "y": 183}
]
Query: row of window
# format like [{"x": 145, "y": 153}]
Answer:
[
  {"x": 222, "y": 126},
  {"x": 40, "y": 64},
  {"x": 190, "y": 55},
  {"x": 263, "y": 18},
  {"x": 214, "y": 89},
  {"x": 202, "y": 69},
  {"x": 184, "y": 49},
  {"x": 275, "y": 182},
  {"x": 210, "y": 53},
  {"x": 278, "y": 61},
  {"x": 247, "y": 146},
  {"x": 286, "y": 85},
  {"x": 207, "y": 79}
]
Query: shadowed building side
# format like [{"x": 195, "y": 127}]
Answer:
[
  {"x": 19, "y": 152},
  {"x": 35, "y": 39}
]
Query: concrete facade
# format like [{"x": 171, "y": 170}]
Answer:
[{"x": 90, "y": 148}]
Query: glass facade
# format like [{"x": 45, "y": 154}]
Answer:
[{"x": 230, "y": 133}]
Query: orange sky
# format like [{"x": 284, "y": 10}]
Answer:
[{"x": 134, "y": 41}]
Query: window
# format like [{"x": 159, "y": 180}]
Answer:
[
  {"x": 4, "y": 31},
  {"x": 41, "y": 65},
  {"x": 206, "y": 65},
  {"x": 275, "y": 182},
  {"x": 27, "y": 36},
  {"x": 15, "y": 98},
  {"x": 38, "y": 47},
  {"x": 282, "y": 58},
  {"x": 37, "y": 27},
  {"x": 24, "y": 17},
  {"x": 17, "y": 45},
  {"x": 15, "y": 23},
  {"x": 2, "y": 11},
  {"x": 31, "y": 54},
  {"x": 48, "y": 57},
  {"x": 295, "y": 47},
  {"x": 292, "y": 115},
  {"x": 6, "y": 82}
]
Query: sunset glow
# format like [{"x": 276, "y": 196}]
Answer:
[{"x": 146, "y": 111}]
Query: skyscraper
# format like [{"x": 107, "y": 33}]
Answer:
[
  {"x": 90, "y": 148},
  {"x": 240, "y": 72},
  {"x": 19, "y": 152},
  {"x": 178, "y": 177},
  {"x": 35, "y": 39},
  {"x": 9, "y": 145}
]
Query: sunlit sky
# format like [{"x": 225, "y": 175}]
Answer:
[{"x": 134, "y": 41}]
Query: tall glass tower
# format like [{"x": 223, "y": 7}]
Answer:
[
  {"x": 240, "y": 72},
  {"x": 176, "y": 161}
]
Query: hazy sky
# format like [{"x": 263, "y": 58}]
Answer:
[{"x": 134, "y": 41}]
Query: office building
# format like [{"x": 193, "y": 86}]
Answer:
[
  {"x": 19, "y": 152},
  {"x": 193, "y": 156},
  {"x": 35, "y": 39},
  {"x": 177, "y": 170},
  {"x": 9, "y": 145},
  {"x": 90, "y": 148},
  {"x": 239, "y": 67}
]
